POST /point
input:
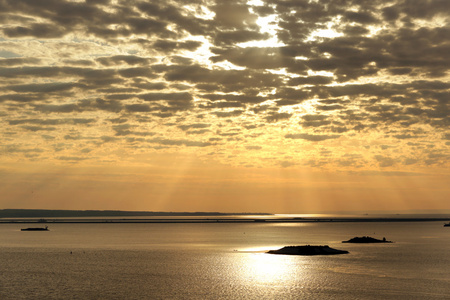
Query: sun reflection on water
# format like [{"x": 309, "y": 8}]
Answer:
[{"x": 263, "y": 268}]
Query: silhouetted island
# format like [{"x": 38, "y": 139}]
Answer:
[
  {"x": 307, "y": 250},
  {"x": 366, "y": 239},
  {"x": 35, "y": 229}
]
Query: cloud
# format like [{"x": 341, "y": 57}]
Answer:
[
  {"x": 20, "y": 149},
  {"x": 72, "y": 158},
  {"x": 166, "y": 96},
  {"x": 38, "y": 128},
  {"x": 253, "y": 147},
  {"x": 311, "y": 137},
  {"x": 385, "y": 161},
  {"x": 275, "y": 117},
  {"x": 312, "y": 80},
  {"x": 170, "y": 142},
  {"x": 136, "y": 72},
  {"x": 253, "y": 57},
  {"x": 64, "y": 108},
  {"x": 194, "y": 126},
  {"x": 35, "y": 30},
  {"x": 42, "y": 88},
  {"x": 232, "y": 113},
  {"x": 74, "y": 121},
  {"x": 315, "y": 120},
  {"x": 119, "y": 59},
  {"x": 138, "y": 108},
  {"x": 7, "y": 62},
  {"x": 172, "y": 46}
]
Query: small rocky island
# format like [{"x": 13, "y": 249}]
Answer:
[
  {"x": 307, "y": 250},
  {"x": 35, "y": 229},
  {"x": 366, "y": 240}
]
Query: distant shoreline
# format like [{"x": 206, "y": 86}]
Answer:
[
  {"x": 217, "y": 220},
  {"x": 48, "y": 213},
  {"x": 42, "y": 216}
]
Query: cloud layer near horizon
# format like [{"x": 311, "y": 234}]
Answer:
[{"x": 329, "y": 84}]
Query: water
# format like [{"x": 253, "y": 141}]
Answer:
[{"x": 223, "y": 261}]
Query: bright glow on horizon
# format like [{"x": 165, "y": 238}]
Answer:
[{"x": 224, "y": 106}]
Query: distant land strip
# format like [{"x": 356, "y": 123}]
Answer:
[
  {"x": 48, "y": 213},
  {"x": 115, "y": 216},
  {"x": 217, "y": 220}
]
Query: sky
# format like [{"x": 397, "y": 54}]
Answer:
[{"x": 232, "y": 106}]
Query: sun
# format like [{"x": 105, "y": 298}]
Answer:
[{"x": 268, "y": 25}]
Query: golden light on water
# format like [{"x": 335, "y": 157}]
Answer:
[{"x": 263, "y": 268}]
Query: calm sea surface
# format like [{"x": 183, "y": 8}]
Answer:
[{"x": 223, "y": 261}]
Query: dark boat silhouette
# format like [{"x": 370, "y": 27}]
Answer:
[
  {"x": 35, "y": 229},
  {"x": 307, "y": 250},
  {"x": 366, "y": 240},
  {"x": 447, "y": 225}
]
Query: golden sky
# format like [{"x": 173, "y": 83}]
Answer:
[{"x": 232, "y": 106}]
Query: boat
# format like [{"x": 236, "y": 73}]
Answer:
[
  {"x": 35, "y": 229},
  {"x": 366, "y": 240},
  {"x": 447, "y": 224},
  {"x": 307, "y": 250}
]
